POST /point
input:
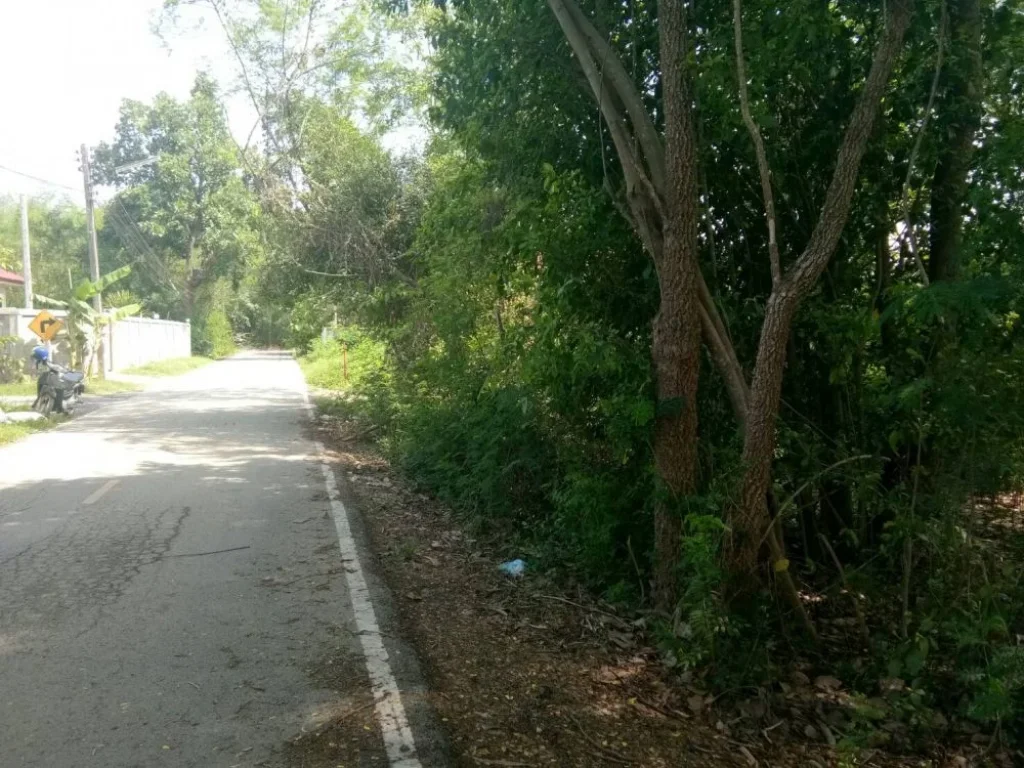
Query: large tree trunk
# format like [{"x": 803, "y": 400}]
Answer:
[
  {"x": 960, "y": 117},
  {"x": 638, "y": 146},
  {"x": 676, "y": 344},
  {"x": 750, "y": 519},
  {"x": 188, "y": 297},
  {"x": 661, "y": 192}
]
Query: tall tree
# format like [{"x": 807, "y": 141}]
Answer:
[
  {"x": 751, "y": 523},
  {"x": 187, "y": 202},
  {"x": 640, "y": 158},
  {"x": 959, "y": 118}
]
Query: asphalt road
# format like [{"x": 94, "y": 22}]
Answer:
[{"x": 173, "y": 592}]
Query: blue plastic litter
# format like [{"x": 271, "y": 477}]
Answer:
[{"x": 514, "y": 568}]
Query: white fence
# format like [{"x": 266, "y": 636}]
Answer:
[
  {"x": 138, "y": 340},
  {"x": 127, "y": 343}
]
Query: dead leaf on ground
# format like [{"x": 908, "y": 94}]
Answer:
[{"x": 827, "y": 683}]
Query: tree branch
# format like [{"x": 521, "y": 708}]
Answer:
[
  {"x": 633, "y": 169},
  {"x": 626, "y": 90},
  {"x": 836, "y": 207},
  {"x": 908, "y": 229},
  {"x": 755, "y": 135},
  {"x": 751, "y": 517},
  {"x": 645, "y": 203}
]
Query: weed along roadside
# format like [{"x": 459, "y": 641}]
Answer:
[
  {"x": 172, "y": 367},
  {"x": 532, "y": 667},
  {"x": 10, "y": 432}
]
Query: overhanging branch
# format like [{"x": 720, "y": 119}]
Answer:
[{"x": 755, "y": 134}]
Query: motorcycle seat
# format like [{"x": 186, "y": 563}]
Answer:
[{"x": 73, "y": 377}]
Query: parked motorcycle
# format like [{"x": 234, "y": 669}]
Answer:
[{"x": 58, "y": 390}]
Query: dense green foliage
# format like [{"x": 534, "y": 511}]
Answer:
[
  {"x": 495, "y": 304},
  {"x": 519, "y": 384},
  {"x": 183, "y": 212},
  {"x": 58, "y": 240}
]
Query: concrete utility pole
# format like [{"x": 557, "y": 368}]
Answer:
[
  {"x": 26, "y": 253},
  {"x": 90, "y": 220}
]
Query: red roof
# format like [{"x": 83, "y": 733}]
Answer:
[{"x": 11, "y": 278}]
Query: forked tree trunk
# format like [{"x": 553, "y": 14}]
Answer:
[
  {"x": 750, "y": 520},
  {"x": 661, "y": 191},
  {"x": 639, "y": 147},
  {"x": 660, "y": 188}
]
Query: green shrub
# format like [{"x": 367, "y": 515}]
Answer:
[
  {"x": 11, "y": 368},
  {"x": 219, "y": 334},
  {"x": 212, "y": 336},
  {"x": 324, "y": 364},
  {"x": 488, "y": 458}
]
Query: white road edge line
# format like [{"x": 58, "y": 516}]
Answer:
[
  {"x": 100, "y": 492},
  {"x": 394, "y": 725}
]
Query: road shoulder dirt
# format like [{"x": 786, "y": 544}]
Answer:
[{"x": 521, "y": 673}]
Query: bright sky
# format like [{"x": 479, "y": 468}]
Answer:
[{"x": 66, "y": 66}]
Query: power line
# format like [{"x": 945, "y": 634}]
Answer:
[
  {"x": 134, "y": 238},
  {"x": 141, "y": 235},
  {"x": 37, "y": 178},
  {"x": 156, "y": 262},
  {"x": 125, "y": 236}
]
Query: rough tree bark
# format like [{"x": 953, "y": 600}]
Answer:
[
  {"x": 675, "y": 348},
  {"x": 661, "y": 193},
  {"x": 639, "y": 148},
  {"x": 961, "y": 106},
  {"x": 750, "y": 521}
]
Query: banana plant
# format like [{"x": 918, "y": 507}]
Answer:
[{"x": 85, "y": 324}]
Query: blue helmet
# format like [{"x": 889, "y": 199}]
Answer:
[{"x": 40, "y": 354}]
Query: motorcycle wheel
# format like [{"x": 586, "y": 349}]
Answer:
[
  {"x": 66, "y": 404},
  {"x": 44, "y": 403}
]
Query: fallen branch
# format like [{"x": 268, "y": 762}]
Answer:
[
  {"x": 768, "y": 730},
  {"x": 604, "y": 752},
  {"x": 356, "y": 711},
  {"x": 749, "y": 757},
  {"x": 358, "y": 435},
  {"x": 669, "y": 713},
  {"x": 214, "y": 552},
  {"x": 673, "y": 714},
  {"x": 865, "y": 635},
  {"x": 580, "y": 606}
]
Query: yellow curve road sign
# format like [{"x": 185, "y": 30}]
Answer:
[{"x": 45, "y": 326}]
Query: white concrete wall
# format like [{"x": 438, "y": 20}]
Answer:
[
  {"x": 129, "y": 342},
  {"x": 139, "y": 340}
]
